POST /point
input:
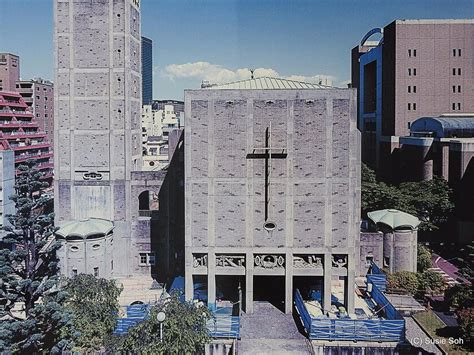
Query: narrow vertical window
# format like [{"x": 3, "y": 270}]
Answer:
[
  {"x": 459, "y": 88},
  {"x": 454, "y": 71},
  {"x": 414, "y": 89},
  {"x": 409, "y": 125},
  {"x": 414, "y": 71},
  {"x": 459, "y": 52},
  {"x": 454, "y": 106},
  {"x": 409, "y": 52},
  {"x": 414, "y": 52},
  {"x": 414, "y": 106},
  {"x": 459, "y": 106},
  {"x": 454, "y": 52},
  {"x": 454, "y": 88},
  {"x": 409, "y": 89},
  {"x": 459, "y": 71},
  {"x": 409, "y": 71},
  {"x": 96, "y": 272},
  {"x": 409, "y": 106}
]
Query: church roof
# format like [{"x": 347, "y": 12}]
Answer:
[
  {"x": 267, "y": 83},
  {"x": 394, "y": 219},
  {"x": 86, "y": 228}
]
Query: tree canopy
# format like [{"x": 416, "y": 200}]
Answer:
[
  {"x": 31, "y": 303},
  {"x": 430, "y": 201},
  {"x": 184, "y": 329},
  {"x": 93, "y": 305},
  {"x": 423, "y": 259}
]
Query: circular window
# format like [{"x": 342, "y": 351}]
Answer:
[
  {"x": 152, "y": 163},
  {"x": 96, "y": 246},
  {"x": 74, "y": 248}
]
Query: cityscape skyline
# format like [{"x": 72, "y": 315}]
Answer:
[{"x": 212, "y": 40}]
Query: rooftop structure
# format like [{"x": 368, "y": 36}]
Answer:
[
  {"x": 266, "y": 83},
  {"x": 20, "y": 132}
]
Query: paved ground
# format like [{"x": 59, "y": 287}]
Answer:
[
  {"x": 418, "y": 338},
  {"x": 448, "y": 319},
  {"x": 269, "y": 331}
]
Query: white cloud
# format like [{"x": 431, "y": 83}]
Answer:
[{"x": 217, "y": 74}]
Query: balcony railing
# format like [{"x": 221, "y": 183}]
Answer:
[{"x": 25, "y": 157}]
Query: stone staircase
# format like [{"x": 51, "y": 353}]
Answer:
[{"x": 270, "y": 331}]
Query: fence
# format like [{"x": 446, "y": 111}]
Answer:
[
  {"x": 350, "y": 329},
  {"x": 377, "y": 277},
  {"x": 224, "y": 326}
]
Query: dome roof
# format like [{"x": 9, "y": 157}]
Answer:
[
  {"x": 446, "y": 126},
  {"x": 85, "y": 228},
  {"x": 394, "y": 219}
]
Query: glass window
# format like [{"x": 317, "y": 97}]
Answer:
[
  {"x": 151, "y": 258},
  {"x": 96, "y": 271},
  {"x": 143, "y": 258},
  {"x": 414, "y": 88}
]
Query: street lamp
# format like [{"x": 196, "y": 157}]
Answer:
[{"x": 160, "y": 317}]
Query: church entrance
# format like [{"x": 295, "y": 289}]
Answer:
[{"x": 270, "y": 289}]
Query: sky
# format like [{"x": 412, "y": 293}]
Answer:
[{"x": 219, "y": 40}]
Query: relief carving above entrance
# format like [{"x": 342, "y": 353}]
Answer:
[{"x": 269, "y": 261}]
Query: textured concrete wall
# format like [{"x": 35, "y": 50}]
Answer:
[
  {"x": 7, "y": 187},
  {"x": 371, "y": 245},
  {"x": 314, "y": 192},
  {"x": 97, "y": 126}
]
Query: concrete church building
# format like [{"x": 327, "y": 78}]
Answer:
[
  {"x": 272, "y": 194},
  {"x": 100, "y": 193}
]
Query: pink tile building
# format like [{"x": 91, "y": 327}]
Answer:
[
  {"x": 9, "y": 71},
  {"x": 420, "y": 68}
]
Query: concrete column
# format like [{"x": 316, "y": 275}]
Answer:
[
  {"x": 211, "y": 280},
  {"x": 249, "y": 283},
  {"x": 427, "y": 164},
  {"x": 289, "y": 283},
  {"x": 188, "y": 277},
  {"x": 445, "y": 162},
  {"x": 327, "y": 282},
  {"x": 350, "y": 280}
]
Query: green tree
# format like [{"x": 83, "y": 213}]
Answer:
[
  {"x": 403, "y": 281},
  {"x": 93, "y": 304},
  {"x": 31, "y": 304},
  {"x": 431, "y": 282},
  {"x": 459, "y": 296},
  {"x": 466, "y": 324},
  {"x": 184, "y": 330},
  {"x": 423, "y": 258},
  {"x": 430, "y": 201}
]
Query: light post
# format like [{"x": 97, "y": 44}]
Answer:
[{"x": 160, "y": 317}]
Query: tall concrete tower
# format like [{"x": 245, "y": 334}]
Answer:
[{"x": 97, "y": 131}]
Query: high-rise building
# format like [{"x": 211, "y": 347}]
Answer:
[
  {"x": 39, "y": 96},
  {"x": 157, "y": 126},
  {"x": 9, "y": 71},
  {"x": 147, "y": 71},
  {"x": 20, "y": 132},
  {"x": 416, "y": 68},
  {"x": 104, "y": 203}
]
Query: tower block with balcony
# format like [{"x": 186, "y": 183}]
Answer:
[{"x": 21, "y": 133}]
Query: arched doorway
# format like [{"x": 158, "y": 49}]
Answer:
[{"x": 147, "y": 203}]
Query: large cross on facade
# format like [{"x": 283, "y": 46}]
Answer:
[{"x": 268, "y": 152}]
